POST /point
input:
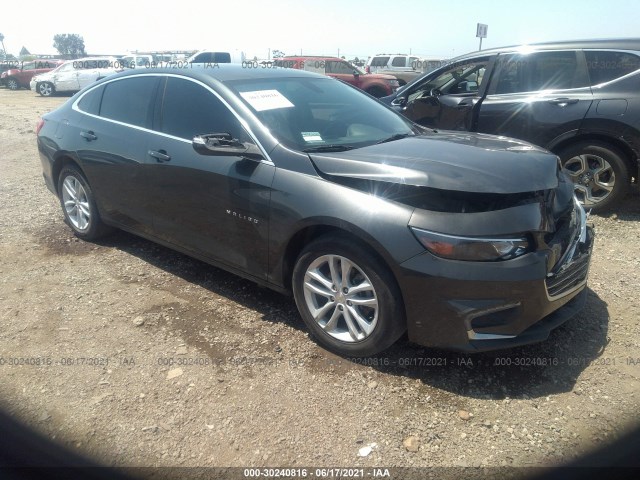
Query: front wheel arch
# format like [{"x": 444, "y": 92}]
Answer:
[{"x": 390, "y": 318}]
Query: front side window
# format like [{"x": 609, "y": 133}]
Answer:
[
  {"x": 606, "y": 66},
  {"x": 129, "y": 100},
  {"x": 189, "y": 109},
  {"x": 539, "y": 71},
  {"x": 458, "y": 79}
]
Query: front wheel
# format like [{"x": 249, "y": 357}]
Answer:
[
  {"x": 347, "y": 297},
  {"x": 599, "y": 174},
  {"x": 45, "y": 89},
  {"x": 79, "y": 206},
  {"x": 13, "y": 84}
]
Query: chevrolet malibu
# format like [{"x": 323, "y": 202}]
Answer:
[{"x": 306, "y": 185}]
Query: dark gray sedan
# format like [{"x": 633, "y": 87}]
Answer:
[{"x": 307, "y": 185}]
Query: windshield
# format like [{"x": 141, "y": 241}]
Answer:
[{"x": 313, "y": 113}]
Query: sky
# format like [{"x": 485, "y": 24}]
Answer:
[{"x": 356, "y": 28}]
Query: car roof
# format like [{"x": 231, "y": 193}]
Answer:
[
  {"x": 600, "y": 44},
  {"x": 223, "y": 72}
]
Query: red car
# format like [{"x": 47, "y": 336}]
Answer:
[
  {"x": 374, "y": 84},
  {"x": 20, "y": 76}
]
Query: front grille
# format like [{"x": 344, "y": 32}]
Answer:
[{"x": 570, "y": 276}]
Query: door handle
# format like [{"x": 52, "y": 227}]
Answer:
[
  {"x": 88, "y": 135},
  {"x": 160, "y": 155},
  {"x": 563, "y": 101}
]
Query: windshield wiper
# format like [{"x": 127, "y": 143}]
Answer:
[
  {"x": 328, "y": 148},
  {"x": 397, "y": 136}
]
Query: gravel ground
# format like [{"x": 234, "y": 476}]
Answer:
[{"x": 150, "y": 358}]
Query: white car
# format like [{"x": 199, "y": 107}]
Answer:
[{"x": 74, "y": 75}]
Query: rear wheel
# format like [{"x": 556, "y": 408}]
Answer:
[
  {"x": 599, "y": 174},
  {"x": 79, "y": 206},
  {"x": 347, "y": 297},
  {"x": 45, "y": 89},
  {"x": 13, "y": 84}
]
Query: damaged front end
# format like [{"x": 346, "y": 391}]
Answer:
[
  {"x": 528, "y": 276},
  {"x": 506, "y": 250}
]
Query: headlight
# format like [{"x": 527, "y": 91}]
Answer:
[{"x": 472, "y": 249}]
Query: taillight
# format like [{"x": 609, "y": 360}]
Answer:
[
  {"x": 368, "y": 69},
  {"x": 39, "y": 125}
]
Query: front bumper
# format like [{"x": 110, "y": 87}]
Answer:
[{"x": 475, "y": 306}]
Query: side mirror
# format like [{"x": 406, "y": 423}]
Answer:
[
  {"x": 356, "y": 73},
  {"x": 399, "y": 102},
  {"x": 224, "y": 145},
  {"x": 435, "y": 92}
]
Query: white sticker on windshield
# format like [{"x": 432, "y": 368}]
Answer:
[
  {"x": 266, "y": 100},
  {"x": 311, "y": 136}
]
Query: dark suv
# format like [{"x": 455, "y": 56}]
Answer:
[{"x": 580, "y": 99}]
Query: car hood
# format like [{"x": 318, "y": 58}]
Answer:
[{"x": 464, "y": 162}]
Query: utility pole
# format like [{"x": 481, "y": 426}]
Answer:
[{"x": 481, "y": 32}]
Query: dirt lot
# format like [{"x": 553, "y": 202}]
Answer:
[{"x": 150, "y": 358}]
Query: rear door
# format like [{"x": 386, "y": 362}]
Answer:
[
  {"x": 537, "y": 96},
  {"x": 114, "y": 134}
]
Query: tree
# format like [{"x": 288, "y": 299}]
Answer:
[
  {"x": 69, "y": 44},
  {"x": 4, "y": 50}
]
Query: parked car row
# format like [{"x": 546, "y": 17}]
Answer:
[
  {"x": 374, "y": 84},
  {"x": 22, "y": 72},
  {"x": 74, "y": 75}
]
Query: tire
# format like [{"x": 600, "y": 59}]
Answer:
[
  {"x": 79, "y": 206},
  {"x": 45, "y": 89},
  {"x": 377, "y": 92},
  {"x": 12, "y": 84},
  {"x": 317, "y": 290},
  {"x": 599, "y": 172}
]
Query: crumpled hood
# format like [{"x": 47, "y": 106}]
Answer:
[{"x": 460, "y": 161}]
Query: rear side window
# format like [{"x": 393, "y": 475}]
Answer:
[
  {"x": 540, "y": 71},
  {"x": 189, "y": 109},
  {"x": 379, "y": 61},
  {"x": 607, "y": 66},
  {"x": 129, "y": 100},
  {"x": 399, "y": 62},
  {"x": 90, "y": 102}
]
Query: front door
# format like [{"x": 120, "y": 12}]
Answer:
[
  {"x": 214, "y": 206},
  {"x": 448, "y": 98}
]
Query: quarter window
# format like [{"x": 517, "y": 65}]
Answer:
[
  {"x": 90, "y": 102},
  {"x": 189, "y": 110},
  {"x": 129, "y": 100},
  {"x": 607, "y": 66}
]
